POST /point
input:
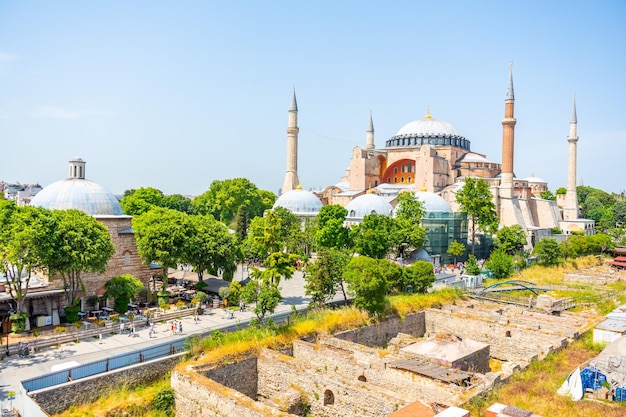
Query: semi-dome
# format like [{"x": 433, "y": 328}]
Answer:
[
  {"x": 433, "y": 203},
  {"x": 368, "y": 204},
  {"x": 78, "y": 193},
  {"x": 300, "y": 202},
  {"x": 427, "y": 131}
]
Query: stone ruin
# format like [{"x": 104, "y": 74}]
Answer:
[{"x": 439, "y": 357}]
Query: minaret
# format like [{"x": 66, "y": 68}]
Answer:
[
  {"x": 369, "y": 144},
  {"x": 291, "y": 176},
  {"x": 508, "y": 142},
  {"x": 570, "y": 208}
]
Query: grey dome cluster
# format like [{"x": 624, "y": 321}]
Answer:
[{"x": 427, "y": 131}]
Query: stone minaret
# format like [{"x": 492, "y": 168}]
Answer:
[
  {"x": 369, "y": 144},
  {"x": 77, "y": 169},
  {"x": 570, "y": 208},
  {"x": 508, "y": 142},
  {"x": 291, "y": 176}
]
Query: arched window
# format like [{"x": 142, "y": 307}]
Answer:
[
  {"x": 329, "y": 397},
  {"x": 362, "y": 378},
  {"x": 127, "y": 259}
]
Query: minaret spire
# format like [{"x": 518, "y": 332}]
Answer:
[
  {"x": 570, "y": 208},
  {"x": 508, "y": 140},
  {"x": 369, "y": 143},
  {"x": 291, "y": 176}
]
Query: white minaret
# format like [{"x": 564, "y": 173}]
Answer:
[
  {"x": 369, "y": 143},
  {"x": 291, "y": 176},
  {"x": 570, "y": 208},
  {"x": 77, "y": 169}
]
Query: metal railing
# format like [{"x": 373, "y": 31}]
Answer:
[{"x": 103, "y": 365}]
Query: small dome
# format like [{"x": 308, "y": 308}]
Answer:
[
  {"x": 300, "y": 202},
  {"x": 420, "y": 255},
  {"x": 368, "y": 204},
  {"x": 433, "y": 203},
  {"x": 535, "y": 180},
  {"x": 76, "y": 193},
  {"x": 474, "y": 157}
]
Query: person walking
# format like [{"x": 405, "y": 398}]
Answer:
[
  {"x": 151, "y": 329},
  {"x": 180, "y": 327},
  {"x": 99, "y": 338},
  {"x": 121, "y": 327}
]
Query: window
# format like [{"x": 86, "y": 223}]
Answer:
[
  {"x": 127, "y": 259},
  {"x": 329, "y": 397}
]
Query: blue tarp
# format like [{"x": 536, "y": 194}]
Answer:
[
  {"x": 592, "y": 378},
  {"x": 620, "y": 394}
]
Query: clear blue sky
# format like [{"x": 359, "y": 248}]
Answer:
[{"x": 177, "y": 94}]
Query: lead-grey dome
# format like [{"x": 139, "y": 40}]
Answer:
[
  {"x": 368, "y": 204},
  {"x": 78, "y": 193},
  {"x": 300, "y": 202},
  {"x": 433, "y": 203},
  {"x": 74, "y": 193},
  {"x": 427, "y": 131}
]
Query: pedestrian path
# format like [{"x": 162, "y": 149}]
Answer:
[{"x": 14, "y": 368}]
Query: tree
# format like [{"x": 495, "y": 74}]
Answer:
[
  {"x": 366, "y": 282},
  {"x": 500, "y": 264},
  {"x": 547, "y": 195},
  {"x": 471, "y": 266},
  {"x": 277, "y": 265},
  {"x": 122, "y": 289},
  {"x": 210, "y": 247},
  {"x": 512, "y": 238},
  {"x": 265, "y": 294},
  {"x": 619, "y": 211},
  {"x": 393, "y": 275},
  {"x": 331, "y": 232},
  {"x": 475, "y": 199},
  {"x": 79, "y": 244},
  {"x": 409, "y": 214},
  {"x": 224, "y": 197},
  {"x": 24, "y": 242},
  {"x": 162, "y": 236},
  {"x": 325, "y": 275},
  {"x": 375, "y": 236},
  {"x": 141, "y": 200},
  {"x": 177, "y": 202},
  {"x": 456, "y": 249},
  {"x": 549, "y": 252},
  {"x": 419, "y": 276},
  {"x": 265, "y": 235}
]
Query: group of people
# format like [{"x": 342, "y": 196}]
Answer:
[
  {"x": 176, "y": 327},
  {"x": 130, "y": 330}
]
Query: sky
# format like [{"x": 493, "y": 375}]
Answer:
[{"x": 177, "y": 94}]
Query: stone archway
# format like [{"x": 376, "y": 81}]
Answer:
[{"x": 329, "y": 397}]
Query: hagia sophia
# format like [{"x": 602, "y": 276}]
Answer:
[{"x": 431, "y": 159}]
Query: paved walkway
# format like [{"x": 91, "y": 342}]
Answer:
[{"x": 15, "y": 369}]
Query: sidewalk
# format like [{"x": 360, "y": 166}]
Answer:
[{"x": 15, "y": 369}]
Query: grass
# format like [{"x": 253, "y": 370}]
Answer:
[{"x": 534, "y": 389}]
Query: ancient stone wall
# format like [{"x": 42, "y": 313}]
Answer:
[
  {"x": 197, "y": 395},
  {"x": 240, "y": 375},
  {"x": 333, "y": 359},
  {"x": 82, "y": 391},
  {"x": 507, "y": 341},
  {"x": 377, "y": 335},
  {"x": 326, "y": 396}
]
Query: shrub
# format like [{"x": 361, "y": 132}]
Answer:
[{"x": 164, "y": 401}]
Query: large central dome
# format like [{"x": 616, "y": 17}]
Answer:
[
  {"x": 78, "y": 193},
  {"x": 427, "y": 131}
]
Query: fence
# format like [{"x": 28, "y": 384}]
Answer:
[{"x": 103, "y": 365}]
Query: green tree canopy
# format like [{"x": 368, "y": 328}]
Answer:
[
  {"x": 500, "y": 264},
  {"x": 210, "y": 247},
  {"x": 366, "y": 281},
  {"x": 475, "y": 199},
  {"x": 25, "y": 234},
  {"x": 549, "y": 252},
  {"x": 162, "y": 236},
  {"x": 375, "y": 236},
  {"x": 122, "y": 289},
  {"x": 456, "y": 249},
  {"x": 325, "y": 275},
  {"x": 79, "y": 244},
  {"x": 224, "y": 197},
  {"x": 141, "y": 200},
  {"x": 511, "y": 238},
  {"x": 409, "y": 214},
  {"x": 419, "y": 276},
  {"x": 276, "y": 266}
]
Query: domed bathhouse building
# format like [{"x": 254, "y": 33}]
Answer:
[
  {"x": 76, "y": 192},
  {"x": 365, "y": 204}
]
